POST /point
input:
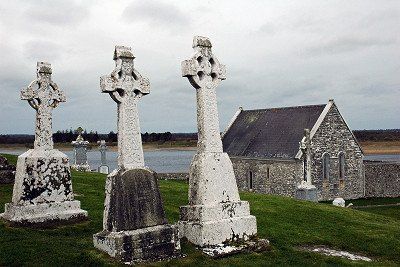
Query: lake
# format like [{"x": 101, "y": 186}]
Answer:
[
  {"x": 166, "y": 160},
  {"x": 157, "y": 160}
]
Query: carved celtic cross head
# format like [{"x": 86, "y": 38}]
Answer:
[
  {"x": 125, "y": 80},
  {"x": 203, "y": 70},
  {"x": 43, "y": 91}
]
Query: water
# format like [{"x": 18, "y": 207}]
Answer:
[
  {"x": 386, "y": 157},
  {"x": 157, "y": 160},
  {"x": 167, "y": 160}
]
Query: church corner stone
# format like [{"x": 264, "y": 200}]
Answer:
[
  {"x": 215, "y": 213},
  {"x": 42, "y": 193},
  {"x": 136, "y": 228}
]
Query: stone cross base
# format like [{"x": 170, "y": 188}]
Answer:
[
  {"x": 45, "y": 213},
  {"x": 146, "y": 244},
  {"x": 134, "y": 225},
  {"x": 307, "y": 192},
  {"x": 43, "y": 190},
  {"x": 81, "y": 167},
  {"x": 212, "y": 179},
  {"x": 103, "y": 169},
  {"x": 213, "y": 225}
]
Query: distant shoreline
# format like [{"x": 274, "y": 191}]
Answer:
[
  {"x": 111, "y": 147},
  {"x": 369, "y": 147}
]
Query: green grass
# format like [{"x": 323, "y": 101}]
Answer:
[
  {"x": 286, "y": 222},
  {"x": 374, "y": 201}
]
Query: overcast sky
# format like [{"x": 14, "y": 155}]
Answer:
[{"x": 277, "y": 53}]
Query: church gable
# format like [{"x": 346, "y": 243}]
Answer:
[
  {"x": 333, "y": 133},
  {"x": 337, "y": 158}
]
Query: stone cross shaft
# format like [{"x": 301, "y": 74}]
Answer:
[
  {"x": 126, "y": 86},
  {"x": 43, "y": 95},
  {"x": 305, "y": 146},
  {"x": 205, "y": 73}
]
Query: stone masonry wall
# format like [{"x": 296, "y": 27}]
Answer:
[
  {"x": 333, "y": 136},
  {"x": 173, "y": 176},
  {"x": 269, "y": 176},
  {"x": 382, "y": 179}
]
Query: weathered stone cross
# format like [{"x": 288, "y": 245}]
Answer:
[
  {"x": 126, "y": 86},
  {"x": 205, "y": 73},
  {"x": 43, "y": 95},
  {"x": 103, "y": 149},
  {"x": 305, "y": 146}
]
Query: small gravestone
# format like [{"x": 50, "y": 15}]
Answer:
[
  {"x": 80, "y": 153},
  {"x": 134, "y": 223},
  {"x": 215, "y": 213},
  {"x": 43, "y": 189},
  {"x": 7, "y": 171},
  {"x": 306, "y": 190},
  {"x": 103, "y": 168},
  {"x": 340, "y": 202}
]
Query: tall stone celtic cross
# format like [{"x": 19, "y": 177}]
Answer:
[
  {"x": 126, "y": 86},
  {"x": 305, "y": 146},
  {"x": 43, "y": 95},
  {"x": 205, "y": 73}
]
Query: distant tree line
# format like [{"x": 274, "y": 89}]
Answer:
[
  {"x": 67, "y": 136},
  {"x": 377, "y": 135}
]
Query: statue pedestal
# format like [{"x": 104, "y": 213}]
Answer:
[
  {"x": 43, "y": 190},
  {"x": 307, "y": 192}
]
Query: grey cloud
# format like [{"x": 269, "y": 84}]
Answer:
[
  {"x": 42, "y": 51},
  {"x": 156, "y": 14},
  {"x": 57, "y": 12},
  {"x": 348, "y": 44}
]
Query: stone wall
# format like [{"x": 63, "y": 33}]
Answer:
[
  {"x": 173, "y": 176},
  {"x": 332, "y": 137},
  {"x": 382, "y": 179},
  {"x": 268, "y": 176}
]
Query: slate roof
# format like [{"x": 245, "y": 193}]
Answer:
[{"x": 270, "y": 133}]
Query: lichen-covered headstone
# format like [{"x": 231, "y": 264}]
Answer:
[
  {"x": 103, "y": 168},
  {"x": 43, "y": 189},
  {"x": 134, "y": 223},
  {"x": 215, "y": 213},
  {"x": 80, "y": 153},
  {"x": 306, "y": 190}
]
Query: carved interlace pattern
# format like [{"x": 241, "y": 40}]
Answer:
[
  {"x": 126, "y": 86},
  {"x": 43, "y": 95}
]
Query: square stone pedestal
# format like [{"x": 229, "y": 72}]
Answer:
[
  {"x": 146, "y": 244},
  {"x": 45, "y": 213},
  {"x": 213, "y": 225},
  {"x": 307, "y": 192},
  {"x": 42, "y": 191}
]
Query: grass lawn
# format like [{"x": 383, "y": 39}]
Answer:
[{"x": 286, "y": 222}]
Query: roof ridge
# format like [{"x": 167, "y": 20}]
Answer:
[{"x": 289, "y": 107}]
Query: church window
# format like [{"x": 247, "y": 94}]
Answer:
[
  {"x": 342, "y": 163},
  {"x": 325, "y": 166},
  {"x": 250, "y": 181}
]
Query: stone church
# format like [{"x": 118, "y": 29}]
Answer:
[{"x": 263, "y": 145}]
